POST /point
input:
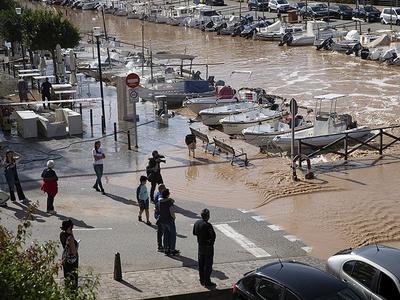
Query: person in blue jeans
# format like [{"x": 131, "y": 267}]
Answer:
[
  {"x": 167, "y": 220},
  {"x": 98, "y": 158},
  {"x": 157, "y": 197}
]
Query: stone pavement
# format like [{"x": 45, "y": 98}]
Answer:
[{"x": 172, "y": 282}]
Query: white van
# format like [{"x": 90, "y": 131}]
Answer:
[{"x": 390, "y": 15}]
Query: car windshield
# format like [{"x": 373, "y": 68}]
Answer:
[
  {"x": 345, "y": 7},
  {"x": 397, "y": 11},
  {"x": 282, "y": 2},
  {"x": 318, "y": 8},
  {"x": 370, "y": 9},
  {"x": 345, "y": 294},
  {"x": 301, "y": 4}
]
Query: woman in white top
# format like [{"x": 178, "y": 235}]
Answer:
[{"x": 98, "y": 156}]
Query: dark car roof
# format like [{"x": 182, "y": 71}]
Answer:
[
  {"x": 303, "y": 279},
  {"x": 387, "y": 257}
]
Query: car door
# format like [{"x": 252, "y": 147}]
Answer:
[
  {"x": 361, "y": 276},
  {"x": 269, "y": 290},
  {"x": 387, "y": 288}
]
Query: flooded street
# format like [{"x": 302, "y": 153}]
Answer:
[{"x": 354, "y": 210}]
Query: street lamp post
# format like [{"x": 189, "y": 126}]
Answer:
[
  {"x": 18, "y": 12},
  {"x": 97, "y": 34}
]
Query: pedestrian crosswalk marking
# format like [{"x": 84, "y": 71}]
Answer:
[
  {"x": 245, "y": 211},
  {"x": 275, "y": 227},
  {"x": 291, "y": 238},
  {"x": 92, "y": 229},
  {"x": 242, "y": 240},
  {"x": 307, "y": 249},
  {"x": 258, "y": 218}
]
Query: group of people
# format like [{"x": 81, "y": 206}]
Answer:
[{"x": 164, "y": 212}]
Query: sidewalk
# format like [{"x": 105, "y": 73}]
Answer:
[{"x": 172, "y": 283}]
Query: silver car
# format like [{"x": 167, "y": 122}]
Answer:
[{"x": 373, "y": 270}]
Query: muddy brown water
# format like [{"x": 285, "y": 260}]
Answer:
[{"x": 360, "y": 206}]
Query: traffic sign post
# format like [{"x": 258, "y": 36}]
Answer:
[
  {"x": 293, "y": 112},
  {"x": 133, "y": 81}
]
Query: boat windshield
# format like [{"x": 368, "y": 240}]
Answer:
[{"x": 210, "y": 13}]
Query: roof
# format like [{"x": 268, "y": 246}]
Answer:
[
  {"x": 311, "y": 278},
  {"x": 387, "y": 257}
]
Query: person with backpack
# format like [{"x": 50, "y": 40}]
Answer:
[
  {"x": 70, "y": 256},
  {"x": 50, "y": 186},
  {"x": 142, "y": 197},
  {"x": 154, "y": 172},
  {"x": 157, "y": 197},
  {"x": 167, "y": 220},
  {"x": 11, "y": 175}
]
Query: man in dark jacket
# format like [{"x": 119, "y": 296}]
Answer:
[
  {"x": 206, "y": 239},
  {"x": 154, "y": 172}
]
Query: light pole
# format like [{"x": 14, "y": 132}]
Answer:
[
  {"x": 18, "y": 11},
  {"x": 97, "y": 34}
]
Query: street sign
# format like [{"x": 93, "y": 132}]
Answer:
[
  {"x": 133, "y": 95},
  {"x": 132, "y": 80},
  {"x": 293, "y": 107}
]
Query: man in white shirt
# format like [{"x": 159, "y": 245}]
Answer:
[{"x": 98, "y": 158}]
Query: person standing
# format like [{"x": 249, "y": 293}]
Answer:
[
  {"x": 98, "y": 157},
  {"x": 142, "y": 197},
  {"x": 23, "y": 90},
  {"x": 50, "y": 186},
  {"x": 46, "y": 91},
  {"x": 167, "y": 220},
  {"x": 11, "y": 175},
  {"x": 157, "y": 197},
  {"x": 154, "y": 172},
  {"x": 70, "y": 256},
  {"x": 205, "y": 238}
]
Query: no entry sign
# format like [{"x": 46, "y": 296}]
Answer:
[{"x": 132, "y": 80}]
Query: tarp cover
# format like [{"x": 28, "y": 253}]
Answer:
[{"x": 195, "y": 86}]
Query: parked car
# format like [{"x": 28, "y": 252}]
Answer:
[
  {"x": 390, "y": 15},
  {"x": 215, "y": 2},
  {"x": 367, "y": 12},
  {"x": 298, "y": 5},
  {"x": 290, "y": 280},
  {"x": 373, "y": 270},
  {"x": 341, "y": 11},
  {"x": 260, "y": 5},
  {"x": 279, "y": 6},
  {"x": 314, "y": 11}
]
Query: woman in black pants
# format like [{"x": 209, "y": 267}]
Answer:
[
  {"x": 70, "y": 257},
  {"x": 11, "y": 174}
]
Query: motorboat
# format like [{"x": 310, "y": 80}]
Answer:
[
  {"x": 89, "y": 5},
  {"x": 262, "y": 134},
  {"x": 180, "y": 14},
  {"x": 211, "y": 116},
  {"x": 328, "y": 126},
  {"x": 234, "y": 124},
  {"x": 201, "y": 15},
  {"x": 275, "y": 31}
]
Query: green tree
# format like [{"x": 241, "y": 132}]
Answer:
[
  {"x": 47, "y": 29},
  {"x": 7, "y": 4},
  {"x": 29, "y": 271},
  {"x": 11, "y": 28}
]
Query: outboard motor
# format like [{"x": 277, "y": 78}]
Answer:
[
  {"x": 364, "y": 53},
  {"x": 286, "y": 39},
  {"x": 356, "y": 49},
  {"x": 326, "y": 44}
]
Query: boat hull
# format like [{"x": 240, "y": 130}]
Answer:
[{"x": 232, "y": 128}]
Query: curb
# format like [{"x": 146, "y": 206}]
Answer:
[{"x": 217, "y": 294}]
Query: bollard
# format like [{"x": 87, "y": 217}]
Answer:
[
  {"x": 80, "y": 108},
  {"x": 9, "y": 70},
  {"x": 129, "y": 140},
  {"x": 91, "y": 118},
  {"x": 13, "y": 70},
  {"x": 117, "y": 267},
  {"x": 115, "y": 131}
]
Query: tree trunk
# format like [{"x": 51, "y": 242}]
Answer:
[
  {"x": 31, "y": 57},
  {"x": 53, "y": 56}
]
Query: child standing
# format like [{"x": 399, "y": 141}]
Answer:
[
  {"x": 50, "y": 186},
  {"x": 142, "y": 197}
]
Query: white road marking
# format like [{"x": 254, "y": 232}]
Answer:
[
  {"x": 291, "y": 238},
  {"x": 275, "y": 227},
  {"x": 242, "y": 240},
  {"x": 258, "y": 218},
  {"x": 226, "y": 222},
  {"x": 245, "y": 211},
  {"x": 307, "y": 249},
  {"x": 92, "y": 229}
]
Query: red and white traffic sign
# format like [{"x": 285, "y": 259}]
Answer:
[{"x": 132, "y": 80}]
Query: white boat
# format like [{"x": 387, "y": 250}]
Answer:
[
  {"x": 211, "y": 116},
  {"x": 275, "y": 31},
  {"x": 260, "y": 135},
  {"x": 180, "y": 14},
  {"x": 234, "y": 124},
  {"x": 328, "y": 127},
  {"x": 89, "y": 5},
  {"x": 201, "y": 15}
]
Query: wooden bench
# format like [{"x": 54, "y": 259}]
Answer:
[
  {"x": 201, "y": 136},
  {"x": 229, "y": 149}
]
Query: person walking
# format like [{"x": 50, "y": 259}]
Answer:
[
  {"x": 23, "y": 90},
  {"x": 154, "y": 172},
  {"x": 142, "y": 196},
  {"x": 50, "y": 186},
  {"x": 167, "y": 220},
  {"x": 157, "y": 197},
  {"x": 98, "y": 157},
  {"x": 205, "y": 239},
  {"x": 70, "y": 256},
  {"x": 11, "y": 175},
  {"x": 46, "y": 91}
]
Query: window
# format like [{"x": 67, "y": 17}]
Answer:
[
  {"x": 269, "y": 290},
  {"x": 364, "y": 273},
  {"x": 348, "y": 266},
  {"x": 387, "y": 288},
  {"x": 290, "y": 296}
]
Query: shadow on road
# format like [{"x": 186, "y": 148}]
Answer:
[
  {"x": 129, "y": 285},
  {"x": 121, "y": 199},
  {"x": 186, "y": 213}
]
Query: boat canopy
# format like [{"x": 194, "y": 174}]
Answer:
[
  {"x": 166, "y": 55},
  {"x": 331, "y": 96}
]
